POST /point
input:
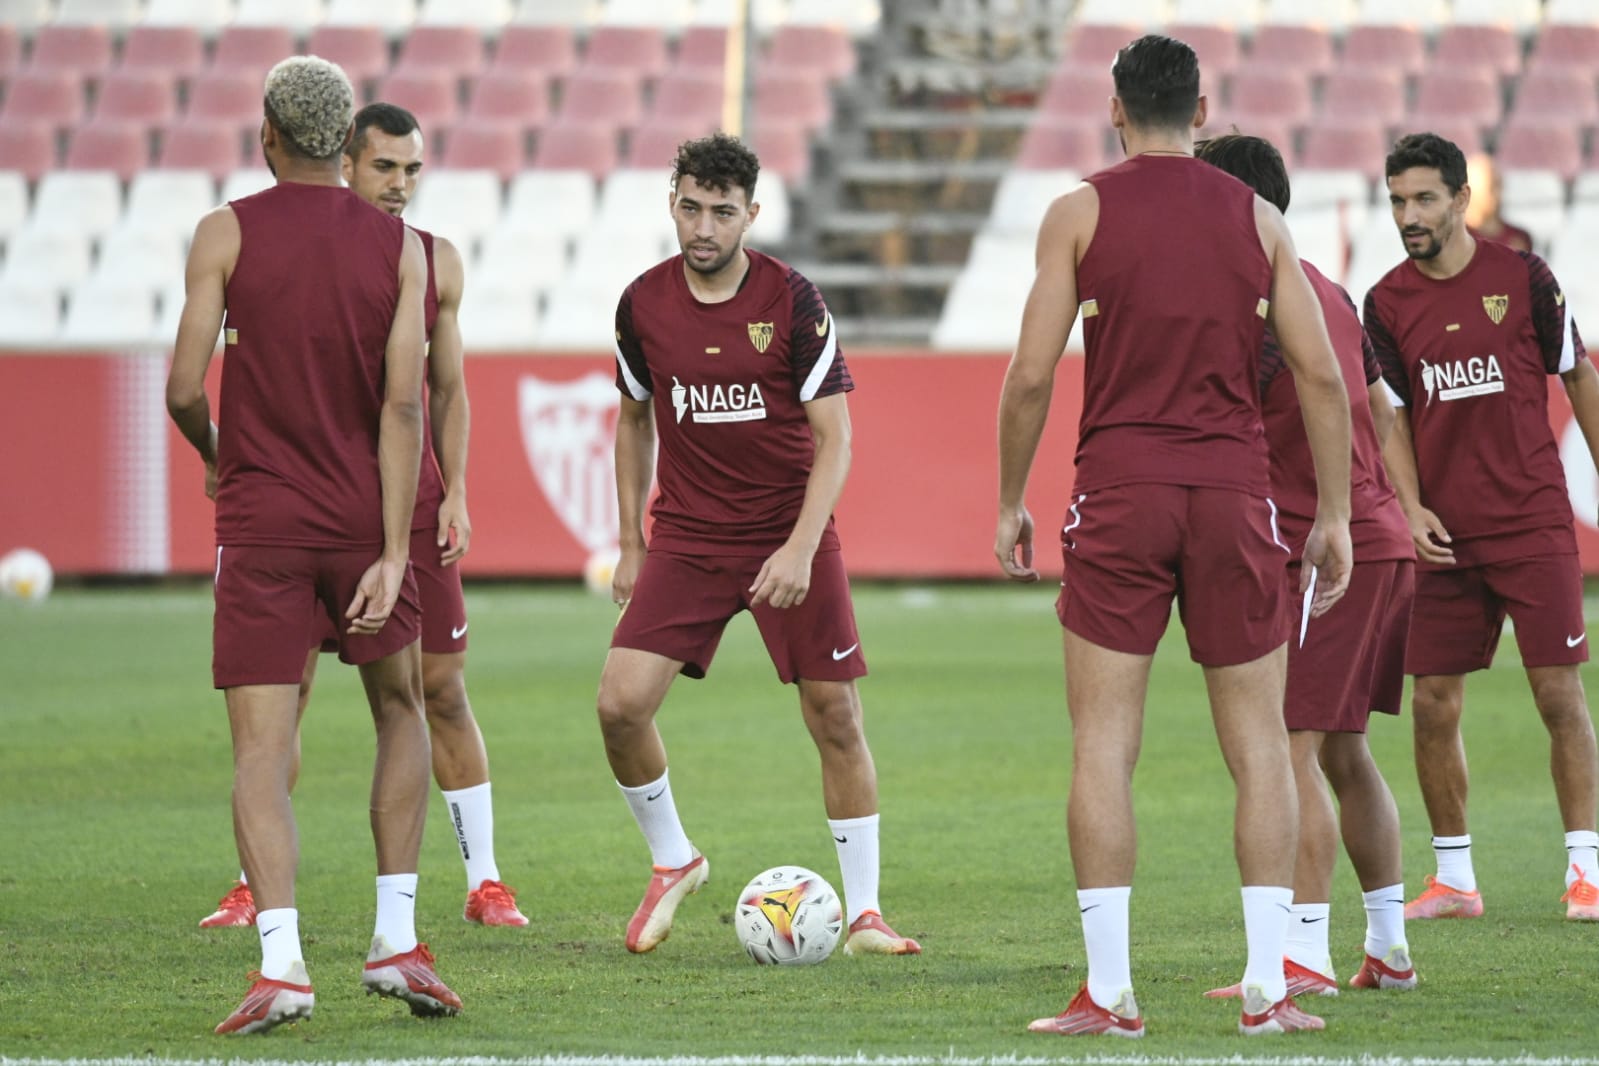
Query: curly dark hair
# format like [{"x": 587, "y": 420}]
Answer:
[
  {"x": 1428, "y": 150},
  {"x": 718, "y": 162},
  {"x": 1254, "y": 161}
]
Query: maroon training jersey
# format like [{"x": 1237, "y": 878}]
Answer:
[
  {"x": 309, "y": 309},
  {"x": 1377, "y": 525},
  {"x": 1510, "y": 236},
  {"x": 430, "y": 487},
  {"x": 1468, "y": 356},
  {"x": 1173, "y": 293},
  {"x": 730, "y": 382}
]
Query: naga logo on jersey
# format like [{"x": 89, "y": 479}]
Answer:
[
  {"x": 761, "y": 335},
  {"x": 718, "y": 403},
  {"x": 1457, "y": 380},
  {"x": 569, "y": 435},
  {"x": 1496, "y": 306}
]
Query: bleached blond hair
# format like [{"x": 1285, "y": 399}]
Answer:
[{"x": 311, "y": 103}]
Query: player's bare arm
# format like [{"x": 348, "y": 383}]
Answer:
[
  {"x": 447, "y": 404},
  {"x": 785, "y": 576},
  {"x": 1582, "y": 389},
  {"x": 1047, "y": 320},
  {"x": 1294, "y": 315},
  {"x": 212, "y": 256},
  {"x": 1426, "y": 529},
  {"x": 635, "y": 470},
  {"x": 1382, "y": 410},
  {"x": 399, "y": 443}
]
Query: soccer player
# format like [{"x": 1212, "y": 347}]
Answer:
[
  {"x": 1482, "y": 214},
  {"x": 1177, "y": 270},
  {"x": 381, "y": 164},
  {"x": 1351, "y": 660},
  {"x": 1468, "y": 332},
  {"x": 733, "y": 356},
  {"x": 314, "y": 468}
]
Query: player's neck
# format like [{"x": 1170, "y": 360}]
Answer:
[
  {"x": 721, "y": 286},
  {"x": 1157, "y": 142},
  {"x": 309, "y": 172},
  {"x": 1452, "y": 259}
]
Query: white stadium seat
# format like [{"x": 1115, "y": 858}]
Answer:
[
  {"x": 207, "y": 16},
  {"x": 776, "y": 220},
  {"x": 462, "y": 205},
  {"x": 1377, "y": 250},
  {"x": 1346, "y": 190},
  {"x": 394, "y": 16},
  {"x": 497, "y": 315},
  {"x": 1571, "y": 12},
  {"x": 765, "y": 15},
  {"x": 859, "y": 17},
  {"x": 1150, "y": 13},
  {"x": 483, "y": 14},
  {"x": 132, "y": 257},
  {"x": 117, "y": 15},
  {"x": 299, "y": 15},
  {"x": 1329, "y": 14},
  {"x": 1024, "y": 195},
  {"x": 579, "y": 14},
  {"x": 578, "y": 319},
  {"x": 78, "y": 201},
  {"x": 48, "y": 257},
  {"x": 245, "y": 182},
  {"x": 536, "y": 255},
  {"x": 13, "y": 202},
  {"x": 1236, "y": 14},
  {"x": 170, "y": 200},
  {"x": 29, "y": 313},
  {"x": 1522, "y": 16},
  {"x": 25, "y": 15},
  {"x": 1536, "y": 201},
  {"x": 562, "y": 200},
  {"x": 637, "y": 198},
  {"x": 1321, "y": 236},
  {"x": 101, "y": 315},
  {"x": 1426, "y": 15},
  {"x": 668, "y": 15}
]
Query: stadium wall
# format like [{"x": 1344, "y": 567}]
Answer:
[{"x": 98, "y": 480}]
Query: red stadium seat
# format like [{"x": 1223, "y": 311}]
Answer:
[
  {"x": 1063, "y": 144},
  {"x": 784, "y": 148},
  {"x": 1217, "y": 49},
  {"x": 120, "y": 147},
  {"x": 510, "y": 93},
  {"x": 702, "y": 46},
  {"x": 783, "y": 97},
  {"x": 1091, "y": 44},
  {"x": 53, "y": 96},
  {"x": 551, "y": 49},
  {"x": 28, "y": 146},
  {"x": 500, "y": 146},
  {"x": 429, "y": 95},
  {"x": 1472, "y": 96},
  {"x": 10, "y": 50},
  {"x": 640, "y": 49},
  {"x": 1493, "y": 48},
  {"x": 1396, "y": 49},
  {"x": 1281, "y": 95},
  {"x": 176, "y": 50},
  {"x": 692, "y": 97},
  {"x": 1540, "y": 146},
  {"x": 362, "y": 51},
  {"x": 814, "y": 48},
  {"x": 1566, "y": 46},
  {"x": 1280, "y": 134},
  {"x": 1555, "y": 94},
  {"x": 84, "y": 50},
  {"x": 606, "y": 97},
  {"x": 216, "y": 147},
  {"x": 456, "y": 50},
  {"x": 1305, "y": 48},
  {"x": 654, "y": 145},
  {"x": 147, "y": 96},
  {"x": 252, "y": 50},
  {"x": 1363, "y": 95},
  {"x": 225, "y": 96},
  {"x": 1467, "y": 136},
  {"x": 1345, "y": 146},
  {"x": 581, "y": 146},
  {"x": 1078, "y": 92}
]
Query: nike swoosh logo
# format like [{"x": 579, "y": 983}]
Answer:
[
  {"x": 408, "y": 895},
  {"x": 821, "y": 327},
  {"x": 1572, "y": 642},
  {"x": 269, "y": 932},
  {"x": 838, "y": 656},
  {"x": 658, "y": 795},
  {"x": 1309, "y": 921},
  {"x": 457, "y": 634},
  {"x": 1090, "y": 907},
  {"x": 842, "y": 840}
]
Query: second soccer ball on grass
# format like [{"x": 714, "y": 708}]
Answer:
[{"x": 789, "y": 916}]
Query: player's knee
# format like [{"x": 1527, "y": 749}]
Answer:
[
  {"x": 444, "y": 692},
  {"x": 1560, "y": 700},
  {"x": 620, "y": 713},
  {"x": 1436, "y": 705},
  {"x": 835, "y": 721}
]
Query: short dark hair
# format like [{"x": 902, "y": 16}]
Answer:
[
  {"x": 1254, "y": 161},
  {"x": 391, "y": 119},
  {"x": 1428, "y": 150},
  {"x": 717, "y": 162},
  {"x": 1157, "y": 81}
]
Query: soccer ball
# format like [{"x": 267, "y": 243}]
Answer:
[
  {"x": 599, "y": 570},
  {"x": 25, "y": 575},
  {"x": 788, "y": 916}
]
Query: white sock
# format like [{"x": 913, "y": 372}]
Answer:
[
  {"x": 280, "y": 941},
  {"x": 243, "y": 880},
  {"x": 1266, "y": 912},
  {"x": 656, "y": 814},
  {"x": 397, "y": 911},
  {"x": 1385, "y": 920},
  {"x": 1582, "y": 849},
  {"x": 856, "y": 841},
  {"x": 472, "y": 817},
  {"x": 1110, "y": 967},
  {"x": 1454, "y": 862},
  {"x": 1307, "y": 937}
]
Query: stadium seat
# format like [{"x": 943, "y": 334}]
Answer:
[
  {"x": 1233, "y": 15},
  {"x": 115, "y": 15},
  {"x": 1305, "y": 48},
  {"x": 454, "y": 50},
  {"x": 1321, "y": 235},
  {"x": 177, "y": 51},
  {"x": 1363, "y": 95},
  {"x": 123, "y": 148},
  {"x": 775, "y": 224},
  {"x": 535, "y": 256},
  {"x": 691, "y": 97},
  {"x": 1554, "y": 94},
  {"x": 1096, "y": 44},
  {"x": 14, "y": 202},
  {"x": 640, "y": 50},
  {"x": 147, "y": 97},
  {"x": 1145, "y": 14},
  {"x": 1457, "y": 95},
  {"x": 668, "y": 15},
  {"x": 54, "y": 97},
  {"x": 1023, "y": 196},
  {"x": 559, "y": 201},
  {"x": 784, "y": 149},
  {"x": 248, "y": 52},
  {"x": 1522, "y": 16},
  {"x": 223, "y": 95},
  {"x": 216, "y": 147},
  {"x": 1540, "y": 146},
  {"x": 1376, "y": 250},
  {"x": 584, "y": 146},
  {"x": 393, "y": 16},
  {"x": 246, "y": 181},
  {"x": 1341, "y": 191},
  {"x": 462, "y": 205},
  {"x": 498, "y": 314},
  {"x": 636, "y": 200},
  {"x": 207, "y": 16},
  {"x": 1478, "y": 47},
  {"x": 81, "y": 50},
  {"x": 601, "y": 97},
  {"x": 26, "y": 15},
  {"x": 573, "y": 13},
  {"x": 1566, "y": 45},
  {"x": 1465, "y": 135},
  {"x": 361, "y": 50},
  {"x": 169, "y": 200},
  {"x": 27, "y": 147},
  {"x": 654, "y": 144},
  {"x": 1571, "y": 12},
  {"x": 702, "y": 47},
  {"x": 429, "y": 95},
  {"x": 105, "y": 315},
  {"x": 1425, "y": 15},
  {"x": 30, "y": 313},
  {"x": 1063, "y": 144},
  {"x": 10, "y": 51},
  {"x": 1536, "y": 201},
  {"x": 133, "y": 256},
  {"x": 496, "y": 145},
  {"x": 811, "y": 48},
  {"x": 512, "y": 95},
  {"x": 487, "y": 15},
  {"x": 1078, "y": 91},
  {"x": 1395, "y": 49},
  {"x": 783, "y": 97},
  {"x": 1357, "y": 146},
  {"x": 1278, "y": 94},
  {"x": 1279, "y": 133},
  {"x": 859, "y": 17},
  {"x": 46, "y": 257},
  {"x": 1333, "y": 15},
  {"x": 297, "y": 15},
  {"x": 580, "y": 319},
  {"x": 1217, "y": 49},
  {"x": 549, "y": 50}
]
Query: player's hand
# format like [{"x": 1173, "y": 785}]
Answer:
[
  {"x": 1328, "y": 552},
  {"x": 1431, "y": 538},
  {"x": 375, "y": 596},
  {"x": 628, "y": 566},
  {"x": 784, "y": 579},
  {"x": 1015, "y": 531},
  {"x": 453, "y": 519},
  {"x": 211, "y": 481}
]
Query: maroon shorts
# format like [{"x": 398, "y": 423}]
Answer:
[
  {"x": 1460, "y": 613},
  {"x": 682, "y": 603},
  {"x": 1131, "y": 549},
  {"x": 269, "y": 600},
  {"x": 438, "y": 591},
  {"x": 1353, "y": 659}
]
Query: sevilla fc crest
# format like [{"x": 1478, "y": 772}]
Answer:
[
  {"x": 1496, "y": 306},
  {"x": 760, "y": 335},
  {"x": 569, "y": 434}
]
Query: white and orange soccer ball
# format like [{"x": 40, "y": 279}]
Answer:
[
  {"x": 25, "y": 575},
  {"x": 600, "y": 569},
  {"x": 789, "y": 916}
]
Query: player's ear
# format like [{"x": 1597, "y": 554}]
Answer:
[
  {"x": 755, "y": 209},
  {"x": 1118, "y": 116},
  {"x": 1201, "y": 111}
]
